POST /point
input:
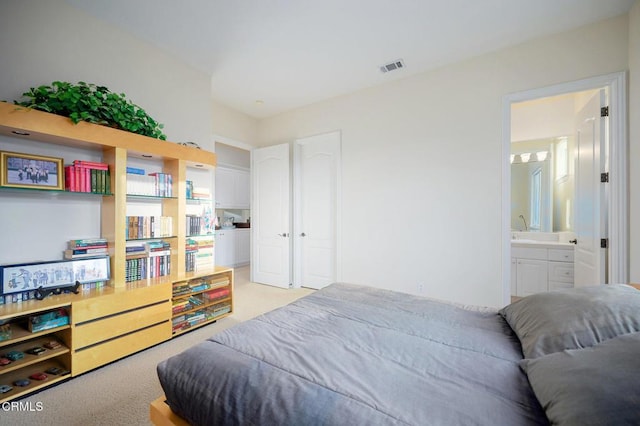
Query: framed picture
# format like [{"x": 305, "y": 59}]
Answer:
[
  {"x": 31, "y": 171},
  {"x": 62, "y": 273}
]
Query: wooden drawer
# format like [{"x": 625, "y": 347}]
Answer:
[
  {"x": 119, "y": 301},
  {"x": 561, "y": 255},
  {"x": 104, "y": 353},
  {"x": 92, "y": 332},
  {"x": 561, "y": 271},
  {"x": 529, "y": 253}
]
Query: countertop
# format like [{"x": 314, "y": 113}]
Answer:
[{"x": 542, "y": 244}]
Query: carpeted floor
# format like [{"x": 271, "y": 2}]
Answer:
[{"x": 120, "y": 393}]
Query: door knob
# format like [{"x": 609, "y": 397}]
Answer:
[
  {"x": 574, "y": 241},
  {"x": 303, "y": 235},
  {"x": 283, "y": 235}
]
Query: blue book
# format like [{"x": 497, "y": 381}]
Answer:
[{"x": 135, "y": 171}]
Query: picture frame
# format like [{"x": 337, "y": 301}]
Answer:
[
  {"x": 19, "y": 170},
  {"x": 27, "y": 277}
]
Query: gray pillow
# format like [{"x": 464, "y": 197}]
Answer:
[
  {"x": 593, "y": 386},
  {"x": 573, "y": 318}
]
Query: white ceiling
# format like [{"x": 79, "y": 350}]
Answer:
[{"x": 290, "y": 53}]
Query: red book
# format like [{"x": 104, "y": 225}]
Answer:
[
  {"x": 87, "y": 180},
  {"x": 70, "y": 178},
  {"x": 80, "y": 174},
  {"x": 91, "y": 164}
]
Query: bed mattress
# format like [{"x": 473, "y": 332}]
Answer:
[{"x": 352, "y": 355}]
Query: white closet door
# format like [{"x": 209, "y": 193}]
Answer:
[
  {"x": 316, "y": 199},
  {"x": 270, "y": 224}
]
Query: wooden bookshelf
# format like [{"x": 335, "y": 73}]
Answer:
[{"x": 120, "y": 318}]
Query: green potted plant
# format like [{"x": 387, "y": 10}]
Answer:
[{"x": 92, "y": 103}]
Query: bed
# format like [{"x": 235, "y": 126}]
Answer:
[{"x": 352, "y": 355}]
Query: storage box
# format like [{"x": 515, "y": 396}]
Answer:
[{"x": 48, "y": 320}]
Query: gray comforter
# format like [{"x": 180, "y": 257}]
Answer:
[{"x": 353, "y": 355}]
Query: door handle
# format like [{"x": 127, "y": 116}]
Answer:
[
  {"x": 303, "y": 235},
  {"x": 283, "y": 235},
  {"x": 574, "y": 241}
]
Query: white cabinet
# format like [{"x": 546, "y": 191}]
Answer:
[
  {"x": 225, "y": 187},
  {"x": 536, "y": 270},
  {"x": 232, "y": 247},
  {"x": 225, "y": 247},
  {"x": 243, "y": 245},
  {"x": 232, "y": 188},
  {"x": 531, "y": 276},
  {"x": 560, "y": 269},
  {"x": 242, "y": 188}
]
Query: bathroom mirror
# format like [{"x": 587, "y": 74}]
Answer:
[
  {"x": 532, "y": 186},
  {"x": 542, "y": 184}
]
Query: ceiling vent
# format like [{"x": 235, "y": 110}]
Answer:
[{"x": 392, "y": 66}]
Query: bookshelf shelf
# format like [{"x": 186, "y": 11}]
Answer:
[
  {"x": 123, "y": 317},
  {"x": 20, "y": 334},
  {"x": 152, "y": 238},
  {"x": 55, "y": 192},
  {"x": 21, "y": 341},
  {"x": 149, "y": 197},
  {"x": 199, "y": 310},
  {"x": 34, "y": 385}
]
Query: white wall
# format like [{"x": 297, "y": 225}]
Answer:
[
  {"x": 543, "y": 118},
  {"x": 234, "y": 125},
  {"x": 634, "y": 141},
  {"x": 44, "y": 41},
  {"x": 428, "y": 149}
]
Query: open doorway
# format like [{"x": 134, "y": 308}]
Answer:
[
  {"x": 232, "y": 205},
  {"x": 543, "y": 147}
]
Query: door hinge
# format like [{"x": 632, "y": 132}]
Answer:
[
  {"x": 604, "y": 177},
  {"x": 604, "y": 111},
  {"x": 604, "y": 243}
]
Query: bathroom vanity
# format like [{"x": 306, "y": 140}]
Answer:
[{"x": 540, "y": 265}]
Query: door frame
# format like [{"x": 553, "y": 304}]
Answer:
[{"x": 618, "y": 216}]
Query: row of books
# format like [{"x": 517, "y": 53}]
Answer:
[
  {"x": 188, "y": 320},
  {"x": 192, "y": 302},
  {"x": 87, "y": 247},
  {"x": 204, "y": 256},
  {"x": 147, "y": 267},
  {"x": 189, "y": 287},
  {"x": 196, "y": 192},
  {"x": 199, "y": 253},
  {"x": 87, "y": 176},
  {"x": 153, "y": 184},
  {"x": 195, "y": 225},
  {"x": 147, "y": 260},
  {"x": 218, "y": 286},
  {"x": 139, "y": 227}
]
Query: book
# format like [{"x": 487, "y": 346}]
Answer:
[
  {"x": 89, "y": 243},
  {"x": 88, "y": 250},
  {"x": 81, "y": 256},
  {"x": 70, "y": 179},
  {"x": 91, "y": 164},
  {"x": 135, "y": 171},
  {"x": 97, "y": 240}
]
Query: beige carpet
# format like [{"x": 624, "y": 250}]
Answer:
[{"x": 120, "y": 393}]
